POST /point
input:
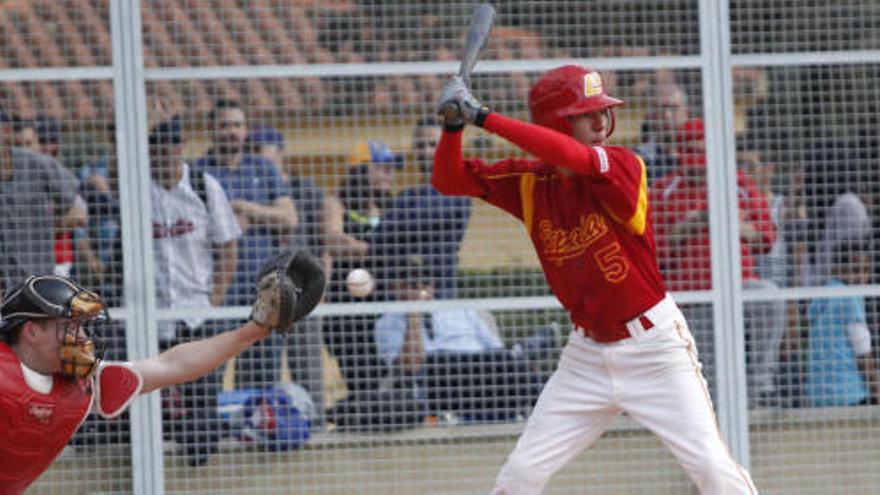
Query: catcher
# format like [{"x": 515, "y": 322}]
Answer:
[{"x": 52, "y": 374}]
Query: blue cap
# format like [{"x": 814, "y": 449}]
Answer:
[
  {"x": 373, "y": 151},
  {"x": 264, "y": 135}
]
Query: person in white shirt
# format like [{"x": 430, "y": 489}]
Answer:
[
  {"x": 465, "y": 366},
  {"x": 195, "y": 235}
]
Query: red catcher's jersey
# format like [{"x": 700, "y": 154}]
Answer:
[
  {"x": 34, "y": 427},
  {"x": 590, "y": 230}
]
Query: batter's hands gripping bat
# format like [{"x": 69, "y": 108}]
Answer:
[{"x": 474, "y": 44}]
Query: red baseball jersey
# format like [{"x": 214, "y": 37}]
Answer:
[
  {"x": 591, "y": 229},
  {"x": 34, "y": 427}
]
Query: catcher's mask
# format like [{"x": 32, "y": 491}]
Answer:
[
  {"x": 80, "y": 312},
  {"x": 568, "y": 91}
]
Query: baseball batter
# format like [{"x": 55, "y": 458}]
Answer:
[
  {"x": 51, "y": 373},
  {"x": 585, "y": 206}
]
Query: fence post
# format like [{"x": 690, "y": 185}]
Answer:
[
  {"x": 718, "y": 111},
  {"x": 134, "y": 179}
]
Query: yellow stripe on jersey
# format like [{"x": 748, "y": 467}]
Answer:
[
  {"x": 526, "y": 196},
  {"x": 637, "y": 222}
]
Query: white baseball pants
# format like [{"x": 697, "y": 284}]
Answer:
[{"x": 655, "y": 377}]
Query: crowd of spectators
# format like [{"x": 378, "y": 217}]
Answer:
[{"x": 808, "y": 223}]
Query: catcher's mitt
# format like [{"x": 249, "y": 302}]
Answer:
[{"x": 289, "y": 287}]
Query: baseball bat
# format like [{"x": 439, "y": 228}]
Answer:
[{"x": 474, "y": 44}]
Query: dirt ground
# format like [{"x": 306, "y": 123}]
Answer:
[{"x": 826, "y": 457}]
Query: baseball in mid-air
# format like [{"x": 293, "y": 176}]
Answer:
[{"x": 359, "y": 282}]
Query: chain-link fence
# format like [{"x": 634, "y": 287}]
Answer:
[{"x": 191, "y": 140}]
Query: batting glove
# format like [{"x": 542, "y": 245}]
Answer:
[{"x": 459, "y": 106}]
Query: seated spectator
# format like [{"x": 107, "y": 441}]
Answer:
[
  {"x": 846, "y": 218},
  {"x": 782, "y": 264},
  {"x": 841, "y": 370},
  {"x": 459, "y": 356},
  {"x": 351, "y": 218},
  {"x": 421, "y": 221},
  {"x": 680, "y": 205},
  {"x": 304, "y": 344}
]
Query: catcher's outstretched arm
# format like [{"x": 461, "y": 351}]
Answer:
[
  {"x": 192, "y": 360},
  {"x": 289, "y": 287}
]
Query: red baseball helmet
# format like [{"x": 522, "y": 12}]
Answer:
[{"x": 567, "y": 91}]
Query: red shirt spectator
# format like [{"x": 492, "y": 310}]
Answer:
[{"x": 681, "y": 217}]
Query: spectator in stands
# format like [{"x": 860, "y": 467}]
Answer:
[
  {"x": 37, "y": 193},
  {"x": 463, "y": 363},
  {"x": 193, "y": 225},
  {"x": 25, "y": 134},
  {"x": 422, "y": 221},
  {"x": 48, "y": 130},
  {"x": 304, "y": 344},
  {"x": 352, "y": 216},
  {"x": 98, "y": 245},
  {"x": 669, "y": 111},
  {"x": 841, "y": 368},
  {"x": 258, "y": 193},
  {"x": 831, "y": 168},
  {"x": 680, "y": 206},
  {"x": 98, "y": 264},
  {"x": 783, "y": 263},
  {"x": 261, "y": 199}
]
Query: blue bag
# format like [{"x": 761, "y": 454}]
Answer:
[{"x": 277, "y": 418}]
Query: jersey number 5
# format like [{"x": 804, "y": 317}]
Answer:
[{"x": 611, "y": 262}]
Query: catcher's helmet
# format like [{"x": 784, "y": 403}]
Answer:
[
  {"x": 49, "y": 296},
  {"x": 567, "y": 91},
  {"x": 80, "y": 313}
]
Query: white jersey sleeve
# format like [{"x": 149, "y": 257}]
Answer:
[{"x": 223, "y": 227}]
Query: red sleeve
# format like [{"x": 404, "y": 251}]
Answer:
[
  {"x": 619, "y": 175},
  {"x": 450, "y": 176},
  {"x": 498, "y": 184},
  {"x": 758, "y": 214}
]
